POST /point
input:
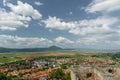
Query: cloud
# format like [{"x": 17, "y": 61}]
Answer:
[
  {"x": 100, "y": 25},
  {"x": 32, "y": 42},
  {"x": 92, "y": 41},
  {"x": 4, "y": 2},
  {"x": 63, "y": 40},
  {"x": 57, "y": 23},
  {"x": 24, "y": 9},
  {"x": 103, "y": 6},
  {"x": 19, "y": 16},
  {"x": 38, "y": 3},
  {"x": 103, "y": 31},
  {"x": 88, "y": 41},
  {"x": 23, "y": 42},
  {"x": 99, "y": 41},
  {"x": 12, "y": 21}
]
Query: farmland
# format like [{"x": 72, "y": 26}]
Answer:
[{"x": 90, "y": 55}]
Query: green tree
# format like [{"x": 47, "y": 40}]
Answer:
[
  {"x": 67, "y": 76},
  {"x": 63, "y": 66},
  {"x": 60, "y": 75},
  {"x": 57, "y": 74},
  {"x": 3, "y": 76}
]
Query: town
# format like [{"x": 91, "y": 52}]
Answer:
[{"x": 62, "y": 67}]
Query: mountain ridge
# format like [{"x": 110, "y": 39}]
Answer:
[{"x": 51, "y": 48}]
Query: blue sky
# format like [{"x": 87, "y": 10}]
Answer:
[{"x": 65, "y": 23}]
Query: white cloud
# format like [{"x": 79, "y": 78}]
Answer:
[
  {"x": 57, "y": 23},
  {"x": 4, "y": 2},
  {"x": 12, "y": 21},
  {"x": 23, "y": 42},
  {"x": 24, "y": 9},
  {"x": 87, "y": 41},
  {"x": 92, "y": 41},
  {"x": 38, "y": 3},
  {"x": 19, "y": 16},
  {"x": 32, "y": 42},
  {"x": 103, "y": 6},
  {"x": 63, "y": 40},
  {"x": 92, "y": 32},
  {"x": 100, "y": 25},
  {"x": 99, "y": 42},
  {"x": 100, "y": 31}
]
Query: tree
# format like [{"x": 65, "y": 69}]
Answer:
[
  {"x": 67, "y": 76},
  {"x": 3, "y": 76},
  {"x": 63, "y": 66},
  {"x": 59, "y": 75}
]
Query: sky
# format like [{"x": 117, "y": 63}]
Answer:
[{"x": 93, "y": 24}]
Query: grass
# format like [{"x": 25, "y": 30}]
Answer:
[
  {"x": 15, "y": 56},
  {"x": 9, "y": 59},
  {"x": 12, "y": 57}
]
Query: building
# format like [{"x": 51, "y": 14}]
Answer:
[{"x": 95, "y": 73}]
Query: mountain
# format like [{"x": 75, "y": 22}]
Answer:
[
  {"x": 51, "y": 48},
  {"x": 5, "y": 49},
  {"x": 55, "y": 48}
]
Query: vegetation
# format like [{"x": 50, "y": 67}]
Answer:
[
  {"x": 59, "y": 74},
  {"x": 64, "y": 66},
  {"x": 116, "y": 56},
  {"x": 3, "y": 77},
  {"x": 25, "y": 60},
  {"x": 9, "y": 59}
]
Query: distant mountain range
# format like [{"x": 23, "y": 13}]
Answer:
[{"x": 51, "y": 48}]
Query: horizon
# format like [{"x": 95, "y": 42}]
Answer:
[
  {"x": 78, "y": 24},
  {"x": 61, "y": 48}
]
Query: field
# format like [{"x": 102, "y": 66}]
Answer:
[
  {"x": 16, "y": 56},
  {"x": 11, "y": 57}
]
